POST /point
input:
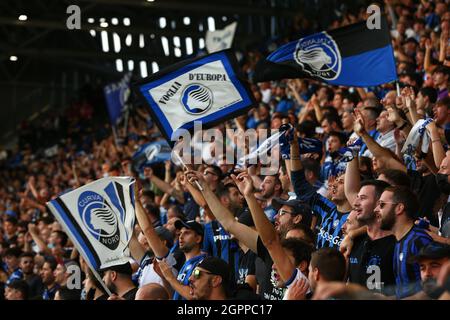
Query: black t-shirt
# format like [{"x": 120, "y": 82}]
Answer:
[
  {"x": 367, "y": 253},
  {"x": 130, "y": 295},
  {"x": 268, "y": 289},
  {"x": 428, "y": 193},
  {"x": 246, "y": 266},
  {"x": 35, "y": 286}
]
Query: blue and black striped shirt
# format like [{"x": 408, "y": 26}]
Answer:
[
  {"x": 407, "y": 275},
  {"x": 331, "y": 220},
  {"x": 218, "y": 243}
]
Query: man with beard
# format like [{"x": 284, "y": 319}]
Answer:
[
  {"x": 332, "y": 214},
  {"x": 431, "y": 258},
  {"x": 217, "y": 242},
  {"x": 397, "y": 208},
  {"x": 271, "y": 188},
  {"x": 250, "y": 238},
  {"x": 290, "y": 213},
  {"x": 48, "y": 279},
  {"x": 33, "y": 280},
  {"x": 371, "y": 256},
  {"x": 210, "y": 280},
  {"x": 118, "y": 280},
  {"x": 373, "y": 252},
  {"x": 190, "y": 241}
]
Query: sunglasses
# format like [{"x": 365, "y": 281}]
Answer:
[
  {"x": 209, "y": 172},
  {"x": 383, "y": 204},
  {"x": 282, "y": 212},
  {"x": 197, "y": 273}
]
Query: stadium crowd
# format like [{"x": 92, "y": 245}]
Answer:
[{"x": 370, "y": 223}]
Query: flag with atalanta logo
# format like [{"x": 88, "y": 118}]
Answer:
[
  {"x": 353, "y": 55},
  {"x": 99, "y": 219},
  {"x": 209, "y": 89}
]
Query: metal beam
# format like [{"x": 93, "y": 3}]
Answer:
[
  {"x": 198, "y": 7},
  {"x": 84, "y": 54},
  {"x": 61, "y": 25}
]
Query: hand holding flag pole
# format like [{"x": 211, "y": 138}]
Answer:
[{"x": 187, "y": 169}]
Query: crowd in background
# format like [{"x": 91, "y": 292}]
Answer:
[{"x": 372, "y": 223}]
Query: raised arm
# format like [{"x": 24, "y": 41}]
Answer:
[
  {"x": 382, "y": 154},
  {"x": 163, "y": 186},
  {"x": 352, "y": 182},
  {"x": 158, "y": 247},
  {"x": 302, "y": 188},
  {"x": 436, "y": 144},
  {"x": 243, "y": 233},
  {"x": 267, "y": 233}
]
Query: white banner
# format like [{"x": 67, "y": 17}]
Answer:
[
  {"x": 220, "y": 39},
  {"x": 99, "y": 219}
]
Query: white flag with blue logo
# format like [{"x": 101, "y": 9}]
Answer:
[
  {"x": 99, "y": 219},
  {"x": 220, "y": 39},
  {"x": 209, "y": 89}
]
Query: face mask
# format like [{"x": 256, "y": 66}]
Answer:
[{"x": 442, "y": 182}]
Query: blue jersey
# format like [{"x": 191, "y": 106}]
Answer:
[
  {"x": 185, "y": 273},
  {"x": 218, "y": 243},
  {"x": 49, "y": 294},
  {"x": 407, "y": 275},
  {"x": 331, "y": 220}
]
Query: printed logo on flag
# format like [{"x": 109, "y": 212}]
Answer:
[
  {"x": 319, "y": 56},
  {"x": 196, "y": 98},
  {"x": 99, "y": 218}
]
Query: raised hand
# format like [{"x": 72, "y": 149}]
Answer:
[
  {"x": 194, "y": 177},
  {"x": 359, "y": 124},
  {"x": 244, "y": 183}
]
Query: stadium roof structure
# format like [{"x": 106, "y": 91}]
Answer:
[{"x": 42, "y": 62}]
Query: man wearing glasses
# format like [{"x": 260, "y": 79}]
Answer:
[
  {"x": 398, "y": 208},
  {"x": 210, "y": 280}
]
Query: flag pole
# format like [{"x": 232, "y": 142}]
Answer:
[
  {"x": 397, "y": 85},
  {"x": 113, "y": 127},
  {"x": 100, "y": 280},
  {"x": 185, "y": 166}
]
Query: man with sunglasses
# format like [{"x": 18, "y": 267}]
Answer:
[
  {"x": 210, "y": 280},
  {"x": 397, "y": 208}
]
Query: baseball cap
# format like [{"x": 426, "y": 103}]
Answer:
[
  {"x": 191, "y": 224},
  {"x": 119, "y": 268},
  {"x": 298, "y": 208},
  {"x": 217, "y": 267},
  {"x": 433, "y": 250},
  {"x": 165, "y": 234}
]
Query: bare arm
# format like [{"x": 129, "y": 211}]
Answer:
[
  {"x": 158, "y": 247},
  {"x": 267, "y": 232},
  {"x": 164, "y": 186},
  {"x": 352, "y": 182},
  {"x": 32, "y": 229},
  {"x": 436, "y": 144},
  {"x": 246, "y": 235},
  {"x": 382, "y": 154}
]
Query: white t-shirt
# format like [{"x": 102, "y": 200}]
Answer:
[
  {"x": 149, "y": 274},
  {"x": 296, "y": 275}
]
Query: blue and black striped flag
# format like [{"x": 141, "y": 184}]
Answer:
[{"x": 353, "y": 55}]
